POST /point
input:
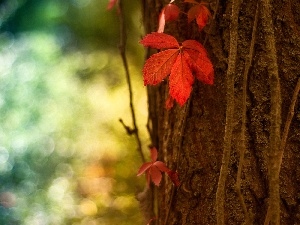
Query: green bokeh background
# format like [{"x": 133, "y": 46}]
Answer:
[{"x": 64, "y": 156}]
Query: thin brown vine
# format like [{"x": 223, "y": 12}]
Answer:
[
  {"x": 288, "y": 123},
  {"x": 275, "y": 114},
  {"x": 284, "y": 137},
  {"x": 220, "y": 195},
  {"x": 122, "y": 48},
  {"x": 242, "y": 146}
]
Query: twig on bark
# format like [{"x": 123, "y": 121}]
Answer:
[
  {"x": 275, "y": 114},
  {"x": 288, "y": 123},
  {"x": 220, "y": 195},
  {"x": 242, "y": 146},
  {"x": 122, "y": 48},
  {"x": 284, "y": 138},
  {"x": 128, "y": 129}
]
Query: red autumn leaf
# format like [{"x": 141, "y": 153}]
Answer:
[
  {"x": 159, "y": 66},
  {"x": 169, "y": 13},
  {"x": 181, "y": 62},
  {"x": 202, "y": 17},
  {"x": 153, "y": 169},
  {"x": 199, "y": 62},
  {"x": 174, "y": 177},
  {"x": 159, "y": 41},
  {"x": 181, "y": 80},
  {"x": 199, "y": 12}
]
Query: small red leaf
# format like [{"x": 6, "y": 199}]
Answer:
[
  {"x": 174, "y": 177},
  {"x": 161, "y": 166},
  {"x": 155, "y": 175},
  {"x": 171, "y": 12},
  {"x": 202, "y": 17},
  {"x": 154, "y": 169},
  {"x": 181, "y": 80},
  {"x": 193, "y": 12},
  {"x": 159, "y": 41},
  {"x": 159, "y": 66},
  {"x": 144, "y": 167},
  {"x": 199, "y": 12},
  {"x": 168, "y": 13}
]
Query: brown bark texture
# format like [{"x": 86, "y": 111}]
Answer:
[{"x": 265, "y": 124}]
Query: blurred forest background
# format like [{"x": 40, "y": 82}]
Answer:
[{"x": 64, "y": 156}]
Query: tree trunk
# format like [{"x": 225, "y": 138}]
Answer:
[{"x": 227, "y": 141}]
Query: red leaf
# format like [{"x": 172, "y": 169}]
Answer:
[
  {"x": 192, "y": 44},
  {"x": 174, "y": 177},
  {"x": 155, "y": 175},
  {"x": 171, "y": 12},
  {"x": 181, "y": 62},
  {"x": 144, "y": 167},
  {"x": 159, "y": 66},
  {"x": 168, "y": 13},
  {"x": 193, "y": 12},
  {"x": 153, "y": 169},
  {"x": 159, "y": 41},
  {"x": 199, "y": 12},
  {"x": 202, "y": 17},
  {"x": 181, "y": 80},
  {"x": 161, "y": 166},
  {"x": 202, "y": 67},
  {"x": 199, "y": 62}
]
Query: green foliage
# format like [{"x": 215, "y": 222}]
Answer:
[{"x": 64, "y": 157}]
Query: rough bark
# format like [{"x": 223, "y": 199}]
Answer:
[{"x": 191, "y": 138}]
